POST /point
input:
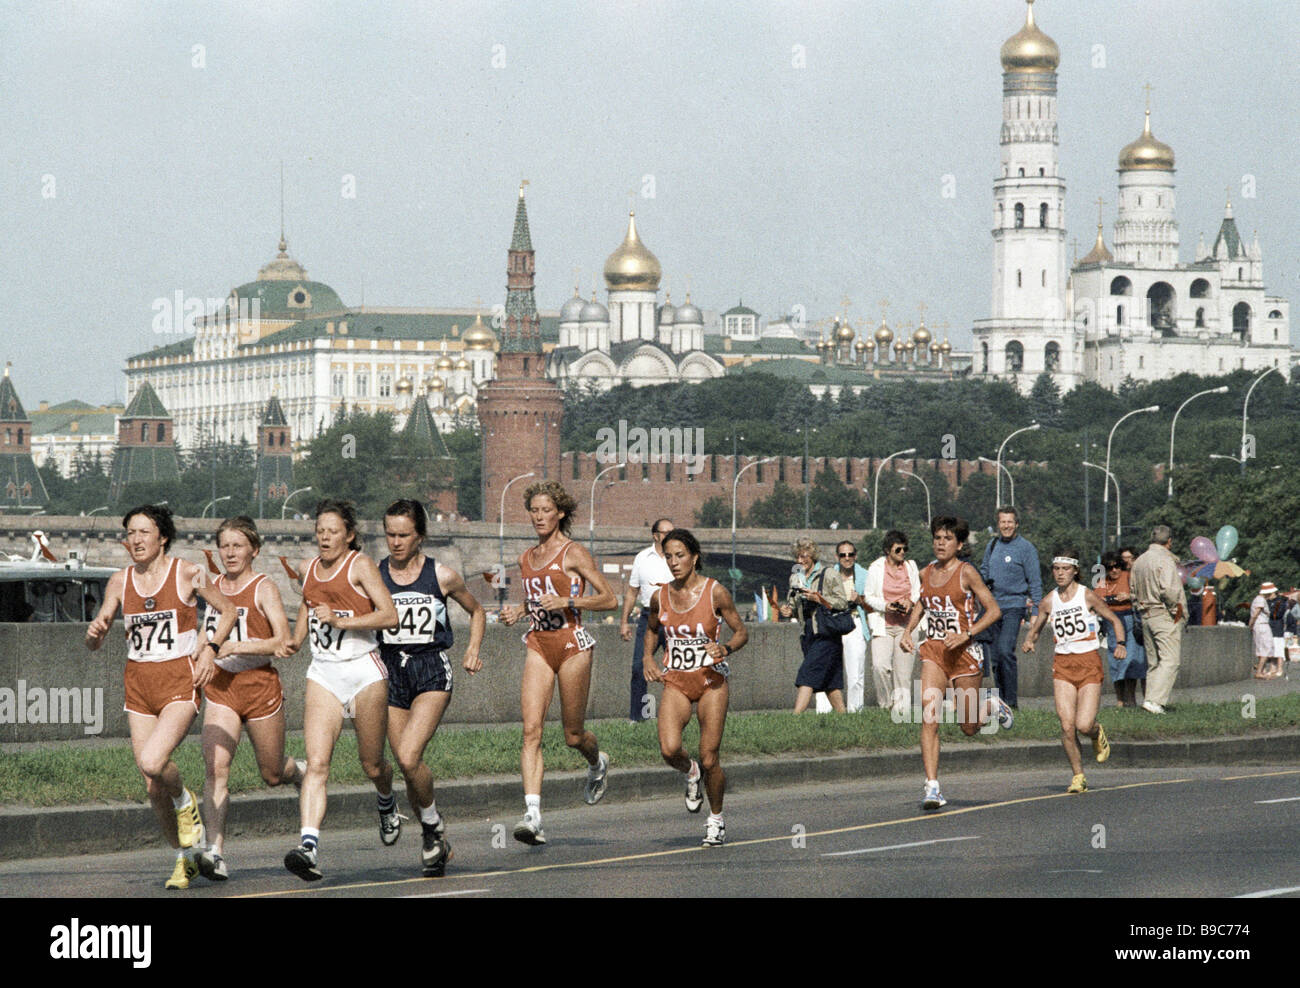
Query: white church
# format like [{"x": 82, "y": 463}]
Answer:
[{"x": 1132, "y": 312}]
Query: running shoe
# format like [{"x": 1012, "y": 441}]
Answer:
[
  {"x": 715, "y": 833},
  {"x": 185, "y": 870},
  {"x": 529, "y": 830},
  {"x": 302, "y": 862},
  {"x": 1006, "y": 716},
  {"x": 1152, "y": 708},
  {"x": 1102, "y": 744},
  {"x": 932, "y": 798},
  {"x": 694, "y": 797},
  {"x": 212, "y": 866},
  {"x": 1078, "y": 784},
  {"x": 436, "y": 850},
  {"x": 302, "y": 772},
  {"x": 189, "y": 825},
  {"x": 596, "y": 780},
  {"x": 390, "y": 826}
]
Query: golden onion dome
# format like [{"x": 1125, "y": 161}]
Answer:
[
  {"x": 444, "y": 363},
  {"x": 478, "y": 336},
  {"x": 945, "y": 346},
  {"x": 909, "y": 346},
  {"x": 922, "y": 336},
  {"x": 936, "y": 347},
  {"x": 632, "y": 268},
  {"x": 1029, "y": 49},
  {"x": 404, "y": 386},
  {"x": 1146, "y": 153},
  {"x": 870, "y": 344},
  {"x": 884, "y": 335},
  {"x": 463, "y": 365},
  {"x": 860, "y": 346},
  {"x": 899, "y": 346},
  {"x": 435, "y": 383},
  {"x": 844, "y": 333}
]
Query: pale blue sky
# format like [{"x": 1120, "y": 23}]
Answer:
[{"x": 780, "y": 184}]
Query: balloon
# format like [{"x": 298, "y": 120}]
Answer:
[
  {"x": 1226, "y": 541},
  {"x": 1195, "y": 583},
  {"x": 1186, "y": 570},
  {"x": 1203, "y": 549}
]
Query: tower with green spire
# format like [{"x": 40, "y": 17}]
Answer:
[
  {"x": 274, "y": 455},
  {"x": 21, "y": 487},
  {"x": 424, "y": 465},
  {"x": 146, "y": 446}
]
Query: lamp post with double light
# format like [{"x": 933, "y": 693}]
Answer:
[
  {"x": 501, "y": 540},
  {"x": 1173, "y": 425},
  {"x": 875, "y": 497},
  {"x": 1105, "y": 491}
]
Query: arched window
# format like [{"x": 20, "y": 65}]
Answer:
[
  {"x": 1022, "y": 173},
  {"x": 20, "y": 431},
  {"x": 1019, "y": 280},
  {"x": 1241, "y": 318},
  {"x": 1275, "y": 314},
  {"x": 984, "y": 348},
  {"x": 1041, "y": 172},
  {"x": 1200, "y": 288},
  {"x": 1020, "y": 214},
  {"x": 1200, "y": 318},
  {"x": 144, "y": 432},
  {"x": 1042, "y": 215},
  {"x": 1121, "y": 286},
  {"x": 1044, "y": 279},
  {"x": 1052, "y": 358},
  {"x": 162, "y": 432},
  {"x": 1119, "y": 315},
  {"x": 1239, "y": 274},
  {"x": 1015, "y": 354},
  {"x": 1161, "y": 307}
]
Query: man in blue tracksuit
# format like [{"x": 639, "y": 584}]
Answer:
[{"x": 1011, "y": 570}]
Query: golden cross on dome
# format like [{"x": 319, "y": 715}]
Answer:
[
  {"x": 884, "y": 304},
  {"x": 1147, "y": 87},
  {"x": 1100, "y": 202},
  {"x": 921, "y": 308}
]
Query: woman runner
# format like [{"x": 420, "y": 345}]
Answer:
[
  {"x": 950, "y": 655},
  {"x": 245, "y": 691},
  {"x": 555, "y": 574},
  {"x": 344, "y": 603},
  {"x": 168, "y": 664},
  {"x": 415, "y": 652},
  {"x": 695, "y": 671},
  {"x": 1073, "y": 610}
]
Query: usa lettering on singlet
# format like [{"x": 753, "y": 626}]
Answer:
[
  {"x": 943, "y": 615},
  {"x": 687, "y": 634},
  {"x": 550, "y": 579},
  {"x": 330, "y": 643},
  {"x": 1073, "y": 624},
  {"x": 422, "y": 623},
  {"x": 161, "y": 626},
  {"x": 251, "y": 624}
]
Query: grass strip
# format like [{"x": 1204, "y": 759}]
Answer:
[{"x": 68, "y": 774}]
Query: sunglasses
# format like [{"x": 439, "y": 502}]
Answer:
[
  {"x": 898, "y": 550},
  {"x": 847, "y": 555}
]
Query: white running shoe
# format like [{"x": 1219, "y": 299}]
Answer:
[
  {"x": 302, "y": 862},
  {"x": 596, "y": 780},
  {"x": 212, "y": 866},
  {"x": 1152, "y": 708},
  {"x": 932, "y": 798},
  {"x": 694, "y": 797},
  {"x": 390, "y": 826},
  {"x": 529, "y": 830},
  {"x": 715, "y": 833}
]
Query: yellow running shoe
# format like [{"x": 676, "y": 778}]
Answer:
[
  {"x": 1101, "y": 745},
  {"x": 185, "y": 870},
  {"x": 189, "y": 825},
  {"x": 1078, "y": 784}
]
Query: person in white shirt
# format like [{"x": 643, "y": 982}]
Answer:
[
  {"x": 649, "y": 572},
  {"x": 893, "y": 585}
]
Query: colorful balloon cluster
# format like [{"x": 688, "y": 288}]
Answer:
[{"x": 1213, "y": 562}]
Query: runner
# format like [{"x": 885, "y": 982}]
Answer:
[
  {"x": 695, "y": 671},
  {"x": 245, "y": 691},
  {"x": 419, "y": 674},
  {"x": 1073, "y": 610},
  {"x": 167, "y": 667},
  {"x": 559, "y": 648},
  {"x": 344, "y": 602},
  {"x": 950, "y": 655}
]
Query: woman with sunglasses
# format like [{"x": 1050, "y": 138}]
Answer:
[
  {"x": 1124, "y": 672},
  {"x": 893, "y": 585},
  {"x": 855, "y": 641}
]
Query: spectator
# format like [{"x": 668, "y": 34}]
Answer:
[
  {"x": 649, "y": 572},
  {"x": 1126, "y": 672},
  {"x": 822, "y": 670},
  {"x": 893, "y": 586},
  {"x": 1193, "y": 605},
  {"x": 1011, "y": 570},
  {"x": 1209, "y": 606},
  {"x": 854, "y": 642},
  {"x": 1159, "y": 599}
]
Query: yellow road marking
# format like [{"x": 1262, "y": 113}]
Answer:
[
  {"x": 647, "y": 855},
  {"x": 1260, "y": 775}
]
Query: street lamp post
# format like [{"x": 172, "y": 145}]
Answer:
[
  {"x": 807, "y": 474},
  {"x": 875, "y": 497},
  {"x": 501, "y": 540},
  {"x": 285, "y": 505},
  {"x": 998, "y": 473},
  {"x": 1244, "y": 406},
  {"x": 591, "y": 508},
  {"x": 908, "y": 473},
  {"x": 1173, "y": 425},
  {"x": 1105, "y": 491},
  {"x": 1112, "y": 479},
  {"x": 212, "y": 504},
  {"x": 1221, "y": 456},
  {"x": 734, "y": 487},
  {"x": 1011, "y": 481}
]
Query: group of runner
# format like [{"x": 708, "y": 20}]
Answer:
[{"x": 379, "y": 636}]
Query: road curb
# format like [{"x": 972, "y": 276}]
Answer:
[{"x": 48, "y": 832}]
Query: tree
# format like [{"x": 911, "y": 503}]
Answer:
[
  {"x": 714, "y": 513},
  {"x": 352, "y": 460},
  {"x": 1045, "y": 400}
]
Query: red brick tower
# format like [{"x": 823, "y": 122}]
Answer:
[{"x": 520, "y": 410}]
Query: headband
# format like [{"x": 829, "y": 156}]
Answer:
[{"x": 1066, "y": 560}]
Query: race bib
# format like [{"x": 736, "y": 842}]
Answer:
[
  {"x": 418, "y": 619},
  {"x": 939, "y": 624},
  {"x": 541, "y": 619},
  {"x": 239, "y": 633},
  {"x": 325, "y": 638},
  {"x": 1070, "y": 625},
  {"x": 153, "y": 635},
  {"x": 688, "y": 653}
]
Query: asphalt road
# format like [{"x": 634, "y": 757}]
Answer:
[{"x": 1214, "y": 831}]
